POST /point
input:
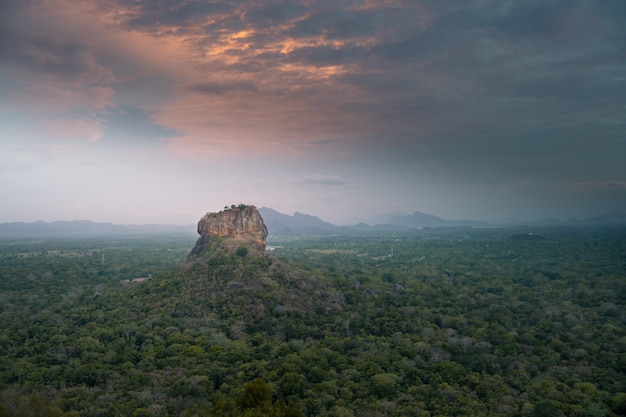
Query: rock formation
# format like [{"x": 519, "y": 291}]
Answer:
[{"x": 234, "y": 227}]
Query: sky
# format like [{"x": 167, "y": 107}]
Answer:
[{"x": 158, "y": 111}]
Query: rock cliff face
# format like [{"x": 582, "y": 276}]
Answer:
[{"x": 233, "y": 227}]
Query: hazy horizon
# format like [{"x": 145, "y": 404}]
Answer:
[
  {"x": 371, "y": 220},
  {"x": 139, "y": 112}
]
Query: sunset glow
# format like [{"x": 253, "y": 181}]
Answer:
[{"x": 466, "y": 110}]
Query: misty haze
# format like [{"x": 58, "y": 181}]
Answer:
[{"x": 312, "y": 208}]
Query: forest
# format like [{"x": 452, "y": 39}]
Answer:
[{"x": 435, "y": 322}]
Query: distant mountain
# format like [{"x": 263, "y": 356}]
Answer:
[
  {"x": 85, "y": 228},
  {"x": 420, "y": 220},
  {"x": 279, "y": 224},
  {"x": 374, "y": 220},
  {"x": 610, "y": 218},
  {"x": 613, "y": 217}
]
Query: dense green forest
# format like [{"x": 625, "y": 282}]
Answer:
[{"x": 440, "y": 322}]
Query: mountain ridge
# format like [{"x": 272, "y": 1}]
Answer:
[
  {"x": 299, "y": 223},
  {"x": 420, "y": 220},
  {"x": 280, "y": 224}
]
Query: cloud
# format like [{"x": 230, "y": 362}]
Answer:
[
  {"x": 54, "y": 98},
  {"x": 90, "y": 130},
  {"x": 132, "y": 127},
  {"x": 37, "y": 156},
  {"x": 71, "y": 61},
  {"x": 322, "y": 180},
  {"x": 465, "y": 91},
  {"x": 322, "y": 142},
  {"x": 183, "y": 16},
  {"x": 220, "y": 89}
]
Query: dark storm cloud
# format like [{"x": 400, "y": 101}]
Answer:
[
  {"x": 460, "y": 55},
  {"x": 63, "y": 59},
  {"x": 583, "y": 87},
  {"x": 273, "y": 13},
  {"x": 211, "y": 15},
  {"x": 148, "y": 14},
  {"x": 342, "y": 24},
  {"x": 326, "y": 55},
  {"x": 560, "y": 19},
  {"x": 25, "y": 48}
]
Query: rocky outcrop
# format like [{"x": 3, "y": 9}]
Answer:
[{"x": 235, "y": 227}]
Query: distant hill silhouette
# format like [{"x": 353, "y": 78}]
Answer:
[
  {"x": 615, "y": 217},
  {"x": 279, "y": 224},
  {"x": 420, "y": 220}
]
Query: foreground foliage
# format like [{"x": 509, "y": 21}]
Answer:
[{"x": 431, "y": 323}]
